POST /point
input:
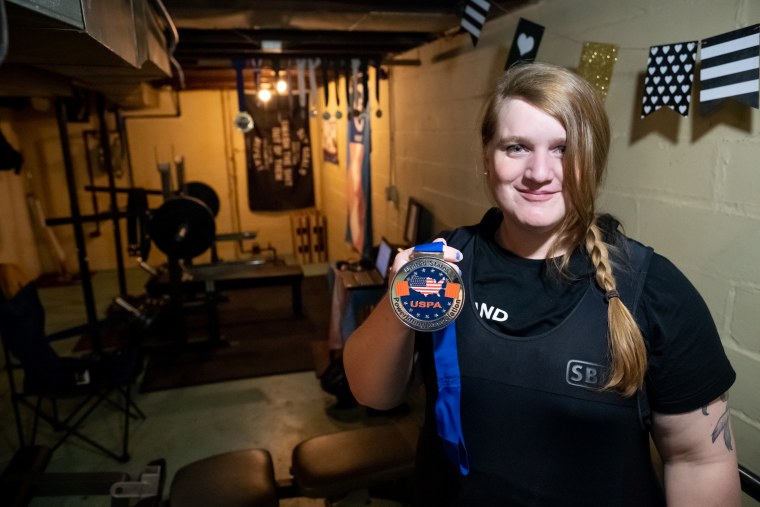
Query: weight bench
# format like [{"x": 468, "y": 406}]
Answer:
[
  {"x": 337, "y": 466},
  {"x": 234, "y": 275},
  {"x": 211, "y": 279}
]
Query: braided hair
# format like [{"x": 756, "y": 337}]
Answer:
[{"x": 569, "y": 99}]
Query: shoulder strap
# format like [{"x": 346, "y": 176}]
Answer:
[{"x": 631, "y": 267}]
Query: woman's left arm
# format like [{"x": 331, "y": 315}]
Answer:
[{"x": 699, "y": 456}]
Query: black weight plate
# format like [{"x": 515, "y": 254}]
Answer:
[
  {"x": 183, "y": 227},
  {"x": 205, "y": 193}
]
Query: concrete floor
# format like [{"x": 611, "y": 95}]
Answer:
[{"x": 187, "y": 424}]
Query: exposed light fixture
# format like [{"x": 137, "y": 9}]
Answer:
[
  {"x": 271, "y": 45},
  {"x": 265, "y": 95},
  {"x": 282, "y": 86}
]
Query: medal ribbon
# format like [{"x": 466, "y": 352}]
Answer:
[
  {"x": 448, "y": 417},
  {"x": 239, "y": 64}
]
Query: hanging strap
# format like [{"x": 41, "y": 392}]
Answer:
[
  {"x": 313, "y": 82},
  {"x": 352, "y": 106},
  {"x": 239, "y": 64},
  {"x": 301, "y": 80},
  {"x": 365, "y": 84},
  {"x": 448, "y": 418},
  {"x": 326, "y": 81}
]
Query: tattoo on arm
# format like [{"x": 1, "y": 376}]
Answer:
[{"x": 722, "y": 426}]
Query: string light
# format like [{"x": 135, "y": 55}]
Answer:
[{"x": 265, "y": 95}]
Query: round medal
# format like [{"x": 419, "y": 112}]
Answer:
[
  {"x": 427, "y": 292},
  {"x": 244, "y": 122}
]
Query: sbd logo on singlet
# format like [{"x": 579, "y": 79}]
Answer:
[{"x": 585, "y": 374}]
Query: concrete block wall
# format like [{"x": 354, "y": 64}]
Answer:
[{"x": 686, "y": 186}]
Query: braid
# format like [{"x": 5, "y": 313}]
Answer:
[{"x": 629, "y": 355}]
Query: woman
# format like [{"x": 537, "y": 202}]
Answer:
[{"x": 575, "y": 344}]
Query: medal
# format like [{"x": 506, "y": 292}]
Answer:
[
  {"x": 244, "y": 122},
  {"x": 427, "y": 292}
]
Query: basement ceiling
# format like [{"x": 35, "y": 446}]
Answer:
[
  {"x": 212, "y": 33},
  {"x": 122, "y": 47}
]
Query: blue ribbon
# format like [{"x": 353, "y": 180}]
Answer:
[
  {"x": 435, "y": 247},
  {"x": 447, "y": 412},
  {"x": 239, "y": 64}
]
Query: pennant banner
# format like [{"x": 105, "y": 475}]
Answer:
[
  {"x": 525, "y": 42},
  {"x": 597, "y": 61},
  {"x": 730, "y": 68},
  {"x": 474, "y": 18},
  {"x": 669, "y": 77}
]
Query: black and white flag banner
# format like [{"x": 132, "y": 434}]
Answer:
[
  {"x": 730, "y": 68},
  {"x": 474, "y": 18}
]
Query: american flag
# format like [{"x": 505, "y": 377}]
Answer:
[{"x": 425, "y": 286}]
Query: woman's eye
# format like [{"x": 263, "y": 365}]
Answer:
[
  {"x": 560, "y": 149},
  {"x": 515, "y": 148}
]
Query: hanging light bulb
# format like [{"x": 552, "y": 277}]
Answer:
[
  {"x": 282, "y": 86},
  {"x": 265, "y": 95}
]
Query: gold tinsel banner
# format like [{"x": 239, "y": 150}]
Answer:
[{"x": 597, "y": 61}]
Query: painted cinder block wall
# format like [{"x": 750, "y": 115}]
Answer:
[{"x": 689, "y": 187}]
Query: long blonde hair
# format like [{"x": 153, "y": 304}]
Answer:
[{"x": 578, "y": 107}]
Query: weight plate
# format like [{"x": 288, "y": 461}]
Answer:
[
  {"x": 205, "y": 193},
  {"x": 183, "y": 227}
]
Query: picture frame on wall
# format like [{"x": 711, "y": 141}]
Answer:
[{"x": 413, "y": 216}]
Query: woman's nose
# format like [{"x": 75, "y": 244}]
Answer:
[{"x": 540, "y": 167}]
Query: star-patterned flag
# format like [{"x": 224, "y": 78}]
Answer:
[
  {"x": 474, "y": 18},
  {"x": 730, "y": 68},
  {"x": 597, "y": 61},
  {"x": 525, "y": 42},
  {"x": 669, "y": 78}
]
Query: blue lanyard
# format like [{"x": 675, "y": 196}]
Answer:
[
  {"x": 448, "y": 417},
  {"x": 239, "y": 65}
]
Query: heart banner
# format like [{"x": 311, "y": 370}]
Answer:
[
  {"x": 669, "y": 77},
  {"x": 525, "y": 42}
]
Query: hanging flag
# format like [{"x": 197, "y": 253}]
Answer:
[
  {"x": 525, "y": 42},
  {"x": 278, "y": 158},
  {"x": 358, "y": 169},
  {"x": 730, "y": 68},
  {"x": 669, "y": 78},
  {"x": 597, "y": 61},
  {"x": 474, "y": 18}
]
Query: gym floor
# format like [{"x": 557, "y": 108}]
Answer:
[{"x": 183, "y": 425}]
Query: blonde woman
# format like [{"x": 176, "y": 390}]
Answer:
[{"x": 575, "y": 343}]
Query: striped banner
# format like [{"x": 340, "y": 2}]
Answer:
[
  {"x": 730, "y": 68},
  {"x": 474, "y": 18}
]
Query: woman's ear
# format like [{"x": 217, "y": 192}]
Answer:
[{"x": 486, "y": 162}]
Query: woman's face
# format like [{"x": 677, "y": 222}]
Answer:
[{"x": 524, "y": 165}]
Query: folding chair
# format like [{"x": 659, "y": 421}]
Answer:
[{"x": 88, "y": 380}]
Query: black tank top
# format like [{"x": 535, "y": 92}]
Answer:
[{"x": 538, "y": 430}]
